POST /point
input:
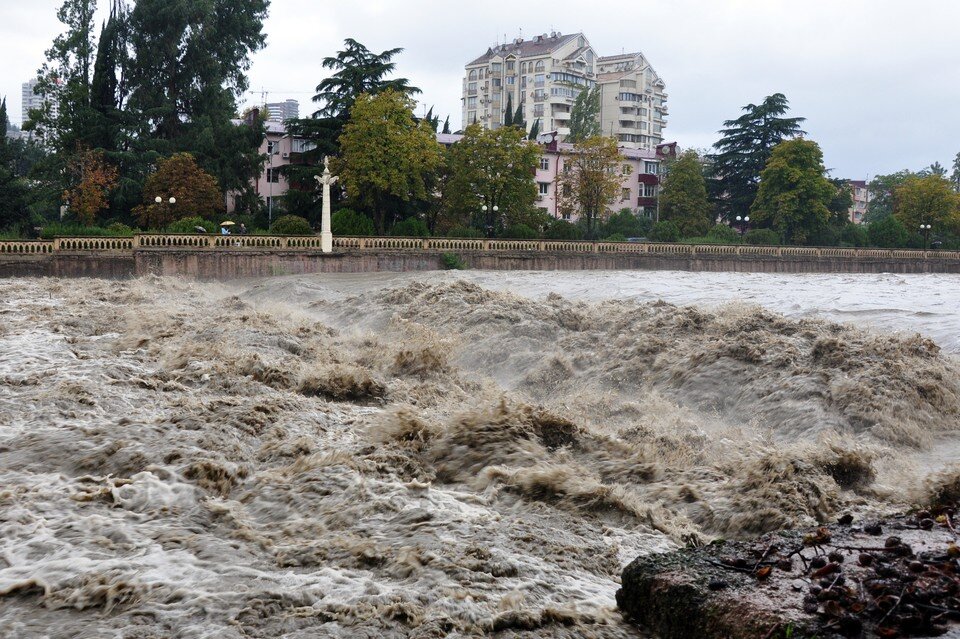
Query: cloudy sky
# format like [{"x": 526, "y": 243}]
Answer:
[{"x": 877, "y": 80}]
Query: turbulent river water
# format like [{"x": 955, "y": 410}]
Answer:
[{"x": 441, "y": 454}]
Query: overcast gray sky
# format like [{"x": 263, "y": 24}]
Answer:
[{"x": 877, "y": 80}]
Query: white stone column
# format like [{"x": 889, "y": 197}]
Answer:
[{"x": 326, "y": 234}]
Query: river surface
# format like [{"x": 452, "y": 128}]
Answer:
[{"x": 441, "y": 454}]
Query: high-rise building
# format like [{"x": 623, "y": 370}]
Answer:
[
  {"x": 543, "y": 77},
  {"x": 31, "y": 100},
  {"x": 283, "y": 111}
]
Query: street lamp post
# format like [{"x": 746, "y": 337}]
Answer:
[
  {"x": 488, "y": 218},
  {"x": 742, "y": 223},
  {"x": 925, "y": 229},
  {"x": 159, "y": 200}
]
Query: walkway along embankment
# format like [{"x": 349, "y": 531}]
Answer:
[{"x": 228, "y": 257}]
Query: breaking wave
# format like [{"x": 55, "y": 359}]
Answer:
[{"x": 297, "y": 458}]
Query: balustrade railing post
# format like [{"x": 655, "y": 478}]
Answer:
[{"x": 486, "y": 245}]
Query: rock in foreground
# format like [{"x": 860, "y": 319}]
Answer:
[{"x": 895, "y": 578}]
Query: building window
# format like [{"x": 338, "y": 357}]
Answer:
[
  {"x": 497, "y": 82},
  {"x": 523, "y": 82},
  {"x": 271, "y": 147},
  {"x": 539, "y": 95},
  {"x": 523, "y": 67},
  {"x": 471, "y": 117},
  {"x": 539, "y": 66},
  {"x": 472, "y": 88},
  {"x": 544, "y": 187},
  {"x": 566, "y": 216},
  {"x": 544, "y": 164},
  {"x": 625, "y": 169},
  {"x": 650, "y": 168},
  {"x": 649, "y": 190},
  {"x": 643, "y": 126},
  {"x": 539, "y": 80},
  {"x": 538, "y": 110},
  {"x": 273, "y": 175},
  {"x": 511, "y": 80},
  {"x": 299, "y": 145},
  {"x": 625, "y": 195},
  {"x": 472, "y": 75},
  {"x": 511, "y": 65},
  {"x": 472, "y": 102},
  {"x": 496, "y": 67}
]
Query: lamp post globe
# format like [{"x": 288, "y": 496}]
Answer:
[
  {"x": 484, "y": 208},
  {"x": 496, "y": 208},
  {"x": 158, "y": 200},
  {"x": 173, "y": 200}
]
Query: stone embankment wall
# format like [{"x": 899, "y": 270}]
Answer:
[{"x": 218, "y": 257}]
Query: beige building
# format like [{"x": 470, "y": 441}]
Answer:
[{"x": 543, "y": 77}]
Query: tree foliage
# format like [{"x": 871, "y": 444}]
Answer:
[
  {"x": 744, "y": 149},
  {"x": 585, "y": 116},
  {"x": 794, "y": 193},
  {"x": 387, "y": 156},
  {"x": 491, "y": 168},
  {"x": 12, "y": 188},
  {"x": 93, "y": 179},
  {"x": 291, "y": 225},
  {"x": 593, "y": 181},
  {"x": 350, "y": 223},
  {"x": 881, "y": 190},
  {"x": 887, "y": 232},
  {"x": 195, "y": 191},
  {"x": 683, "y": 196},
  {"x": 927, "y": 200}
]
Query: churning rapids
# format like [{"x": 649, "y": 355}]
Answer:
[{"x": 445, "y": 454}]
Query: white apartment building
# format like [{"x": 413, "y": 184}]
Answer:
[
  {"x": 543, "y": 76},
  {"x": 30, "y": 100},
  {"x": 283, "y": 111}
]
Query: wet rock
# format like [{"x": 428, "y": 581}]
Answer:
[{"x": 889, "y": 591}]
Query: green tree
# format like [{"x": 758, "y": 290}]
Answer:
[
  {"x": 626, "y": 223},
  {"x": 356, "y": 71},
  {"x": 935, "y": 169},
  {"x": 492, "y": 169},
  {"x": 794, "y": 192},
  {"x": 508, "y": 112},
  {"x": 881, "y": 190},
  {"x": 927, "y": 200},
  {"x": 585, "y": 115},
  {"x": 534, "y": 130},
  {"x": 11, "y": 187},
  {"x": 955, "y": 176},
  {"x": 348, "y": 222},
  {"x": 188, "y": 64},
  {"x": 386, "y": 155},
  {"x": 683, "y": 196},
  {"x": 446, "y": 125},
  {"x": 593, "y": 182},
  {"x": 518, "y": 118},
  {"x": 887, "y": 232},
  {"x": 665, "y": 231},
  {"x": 743, "y": 151},
  {"x": 195, "y": 191}
]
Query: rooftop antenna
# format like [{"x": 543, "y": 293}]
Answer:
[{"x": 521, "y": 33}]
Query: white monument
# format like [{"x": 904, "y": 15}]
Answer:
[{"x": 326, "y": 235}]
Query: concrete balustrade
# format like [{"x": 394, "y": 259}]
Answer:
[{"x": 25, "y": 247}]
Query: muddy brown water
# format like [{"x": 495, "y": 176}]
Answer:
[{"x": 447, "y": 454}]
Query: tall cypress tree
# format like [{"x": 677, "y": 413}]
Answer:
[
  {"x": 11, "y": 189},
  {"x": 743, "y": 152},
  {"x": 508, "y": 112}
]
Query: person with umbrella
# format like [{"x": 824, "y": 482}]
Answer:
[{"x": 225, "y": 227}]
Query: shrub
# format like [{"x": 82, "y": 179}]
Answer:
[
  {"x": 665, "y": 231},
  {"x": 463, "y": 231},
  {"x": 119, "y": 229},
  {"x": 291, "y": 225},
  {"x": 520, "y": 232},
  {"x": 349, "y": 222},
  {"x": 410, "y": 227},
  {"x": 616, "y": 237},
  {"x": 562, "y": 230},
  {"x": 453, "y": 262},
  {"x": 55, "y": 229},
  {"x": 854, "y": 235},
  {"x": 189, "y": 224},
  {"x": 762, "y": 236},
  {"x": 723, "y": 234},
  {"x": 627, "y": 224},
  {"x": 887, "y": 233}
]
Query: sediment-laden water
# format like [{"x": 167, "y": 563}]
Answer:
[{"x": 434, "y": 455}]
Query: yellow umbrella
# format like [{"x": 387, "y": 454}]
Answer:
[{"x": 227, "y": 223}]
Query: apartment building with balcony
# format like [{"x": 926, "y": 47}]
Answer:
[
  {"x": 544, "y": 75},
  {"x": 861, "y": 200},
  {"x": 280, "y": 149},
  {"x": 640, "y": 187}
]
